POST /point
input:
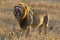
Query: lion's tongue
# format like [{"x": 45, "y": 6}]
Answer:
[{"x": 18, "y": 13}]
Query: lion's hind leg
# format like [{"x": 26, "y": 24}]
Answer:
[{"x": 43, "y": 28}]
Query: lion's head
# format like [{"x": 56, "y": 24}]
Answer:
[{"x": 20, "y": 11}]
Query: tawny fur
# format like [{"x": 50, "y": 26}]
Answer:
[{"x": 32, "y": 18}]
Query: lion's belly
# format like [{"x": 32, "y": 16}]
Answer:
[{"x": 36, "y": 20}]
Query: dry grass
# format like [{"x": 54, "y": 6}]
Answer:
[{"x": 9, "y": 28}]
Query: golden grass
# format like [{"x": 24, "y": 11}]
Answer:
[{"x": 9, "y": 28}]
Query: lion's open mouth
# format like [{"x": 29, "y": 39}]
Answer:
[{"x": 18, "y": 13}]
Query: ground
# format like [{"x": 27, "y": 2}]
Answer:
[{"x": 9, "y": 27}]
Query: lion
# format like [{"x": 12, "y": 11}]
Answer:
[{"x": 30, "y": 19}]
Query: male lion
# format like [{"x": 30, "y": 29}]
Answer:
[{"x": 32, "y": 19}]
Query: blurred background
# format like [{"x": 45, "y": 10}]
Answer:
[{"x": 9, "y": 27}]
